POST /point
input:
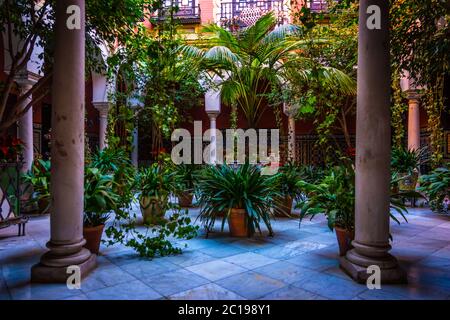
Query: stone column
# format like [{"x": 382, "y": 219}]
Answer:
[
  {"x": 25, "y": 132},
  {"x": 413, "y": 121},
  {"x": 135, "y": 152},
  {"x": 102, "y": 108},
  {"x": 67, "y": 189},
  {"x": 373, "y": 136},
  {"x": 212, "y": 126},
  {"x": 291, "y": 138}
]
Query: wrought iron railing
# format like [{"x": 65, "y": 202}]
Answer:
[
  {"x": 317, "y": 5},
  {"x": 185, "y": 11},
  {"x": 237, "y": 14},
  {"x": 10, "y": 189}
]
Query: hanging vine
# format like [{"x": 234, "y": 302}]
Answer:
[
  {"x": 398, "y": 109},
  {"x": 434, "y": 105}
]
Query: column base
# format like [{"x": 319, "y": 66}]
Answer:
[
  {"x": 392, "y": 275},
  {"x": 44, "y": 274}
]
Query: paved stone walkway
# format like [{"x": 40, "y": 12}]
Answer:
[{"x": 295, "y": 264}]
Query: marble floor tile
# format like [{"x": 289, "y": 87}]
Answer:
[
  {"x": 215, "y": 270},
  {"x": 209, "y": 291},
  {"x": 251, "y": 285},
  {"x": 173, "y": 282}
]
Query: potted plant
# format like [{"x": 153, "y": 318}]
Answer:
[
  {"x": 405, "y": 163},
  {"x": 289, "y": 176},
  {"x": 116, "y": 162},
  {"x": 38, "y": 178},
  {"x": 99, "y": 200},
  {"x": 243, "y": 194},
  {"x": 436, "y": 187},
  {"x": 185, "y": 177},
  {"x": 155, "y": 183},
  {"x": 334, "y": 196}
]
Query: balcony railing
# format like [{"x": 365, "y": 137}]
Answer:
[
  {"x": 187, "y": 12},
  {"x": 317, "y": 5},
  {"x": 236, "y": 14}
]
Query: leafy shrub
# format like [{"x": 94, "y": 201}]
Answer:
[
  {"x": 223, "y": 188},
  {"x": 436, "y": 186}
]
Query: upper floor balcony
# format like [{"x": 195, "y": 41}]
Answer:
[
  {"x": 317, "y": 5},
  {"x": 236, "y": 14},
  {"x": 185, "y": 11}
]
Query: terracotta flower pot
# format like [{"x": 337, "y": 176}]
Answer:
[
  {"x": 153, "y": 209},
  {"x": 93, "y": 236},
  {"x": 185, "y": 199},
  {"x": 344, "y": 238},
  {"x": 237, "y": 222}
]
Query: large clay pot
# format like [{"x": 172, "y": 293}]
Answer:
[
  {"x": 93, "y": 236},
  {"x": 409, "y": 181},
  {"x": 185, "y": 199},
  {"x": 344, "y": 238},
  {"x": 237, "y": 221},
  {"x": 153, "y": 209},
  {"x": 284, "y": 207}
]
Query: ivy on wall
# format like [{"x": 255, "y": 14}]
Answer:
[{"x": 398, "y": 109}]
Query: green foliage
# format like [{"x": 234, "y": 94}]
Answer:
[
  {"x": 99, "y": 197},
  {"x": 311, "y": 174},
  {"x": 406, "y": 161},
  {"x": 156, "y": 181},
  {"x": 257, "y": 60},
  {"x": 159, "y": 76},
  {"x": 116, "y": 162},
  {"x": 186, "y": 175},
  {"x": 398, "y": 109},
  {"x": 153, "y": 241},
  {"x": 327, "y": 96},
  {"x": 420, "y": 45},
  {"x": 436, "y": 186},
  {"x": 289, "y": 175},
  {"x": 107, "y": 22},
  {"x": 38, "y": 178},
  {"x": 223, "y": 188},
  {"x": 334, "y": 196}
]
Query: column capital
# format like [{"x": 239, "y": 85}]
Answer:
[
  {"x": 290, "y": 110},
  {"x": 102, "y": 107},
  {"x": 26, "y": 80},
  {"x": 213, "y": 114},
  {"x": 413, "y": 95}
]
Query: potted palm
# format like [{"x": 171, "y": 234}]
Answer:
[
  {"x": 405, "y": 163},
  {"x": 185, "y": 176},
  {"x": 99, "y": 200},
  {"x": 155, "y": 183},
  {"x": 289, "y": 176},
  {"x": 243, "y": 195}
]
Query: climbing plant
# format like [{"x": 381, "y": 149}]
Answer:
[
  {"x": 398, "y": 109},
  {"x": 420, "y": 45}
]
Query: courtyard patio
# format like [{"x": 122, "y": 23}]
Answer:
[{"x": 294, "y": 264}]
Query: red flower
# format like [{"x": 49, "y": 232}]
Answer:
[{"x": 351, "y": 152}]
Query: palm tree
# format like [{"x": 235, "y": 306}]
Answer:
[{"x": 257, "y": 59}]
